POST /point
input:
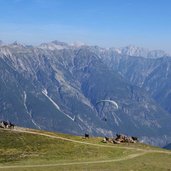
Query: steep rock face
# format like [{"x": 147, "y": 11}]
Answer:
[
  {"x": 65, "y": 90},
  {"x": 23, "y": 102},
  {"x": 168, "y": 146},
  {"x": 47, "y": 87},
  {"x": 136, "y": 110},
  {"x": 153, "y": 75}
]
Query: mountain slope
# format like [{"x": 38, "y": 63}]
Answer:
[
  {"x": 168, "y": 146},
  {"x": 153, "y": 75},
  {"x": 59, "y": 89},
  {"x": 136, "y": 110}
]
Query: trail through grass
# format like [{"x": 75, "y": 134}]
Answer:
[{"x": 26, "y": 149}]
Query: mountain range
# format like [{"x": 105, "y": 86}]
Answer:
[{"x": 87, "y": 89}]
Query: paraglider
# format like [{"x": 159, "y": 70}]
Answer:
[
  {"x": 115, "y": 106},
  {"x": 109, "y": 101}
]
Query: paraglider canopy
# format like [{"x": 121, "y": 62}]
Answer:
[{"x": 109, "y": 101}]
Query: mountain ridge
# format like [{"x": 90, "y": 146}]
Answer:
[
  {"x": 47, "y": 88},
  {"x": 130, "y": 50}
]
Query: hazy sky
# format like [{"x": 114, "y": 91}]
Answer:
[{"x": 107, "y": 23}]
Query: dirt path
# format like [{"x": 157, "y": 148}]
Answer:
[
  {"x": 71, "y": 140},
  {"x": 87, "y": 143},
  {"x": 131, "y": 156},
  {"x": 74, "y": 163}
]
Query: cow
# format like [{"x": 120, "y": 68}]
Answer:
[
  {"x": 4, "y": 124},
  {"x": 135, "y": 138},
  {"x": 106, "y": 138},
  {"x": 10, "y": 125},
  {"x": 86, "y": 135}
]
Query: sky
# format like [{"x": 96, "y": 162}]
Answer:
[{"x": 107, "y": 23}]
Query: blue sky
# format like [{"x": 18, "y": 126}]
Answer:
[{"x": 107, "y": 23}]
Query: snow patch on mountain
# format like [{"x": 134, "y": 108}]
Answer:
[
  {"x": 116, "y": 118},
  {"x": 45, "y": 92},
  {"x": 29, "y": 112}
]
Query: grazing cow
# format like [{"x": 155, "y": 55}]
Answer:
[
  {"x": 106, "y": 138},
  {"x": 135, "y": 138},
  {"x": 4, "y": 124},
  {"x": 10, "y": 125},
  {"x": 86, "y": 135},
  {"x": 120, "y": 137}
]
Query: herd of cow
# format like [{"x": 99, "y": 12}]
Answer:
[
  {"x": 5, "y": 124},
  {"x": 120, "y": 138}
]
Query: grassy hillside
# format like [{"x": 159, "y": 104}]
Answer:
[{"x": 33, "y": 150}]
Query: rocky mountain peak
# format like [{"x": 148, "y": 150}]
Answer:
[
  {"x": 16, "y": 44},
  {"x": 54, "y": 45},
  {"x": 56, "y": 42},
  {"x": 141, "y": 52}
]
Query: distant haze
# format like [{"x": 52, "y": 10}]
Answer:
[{"x": 96, "y": 22}]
